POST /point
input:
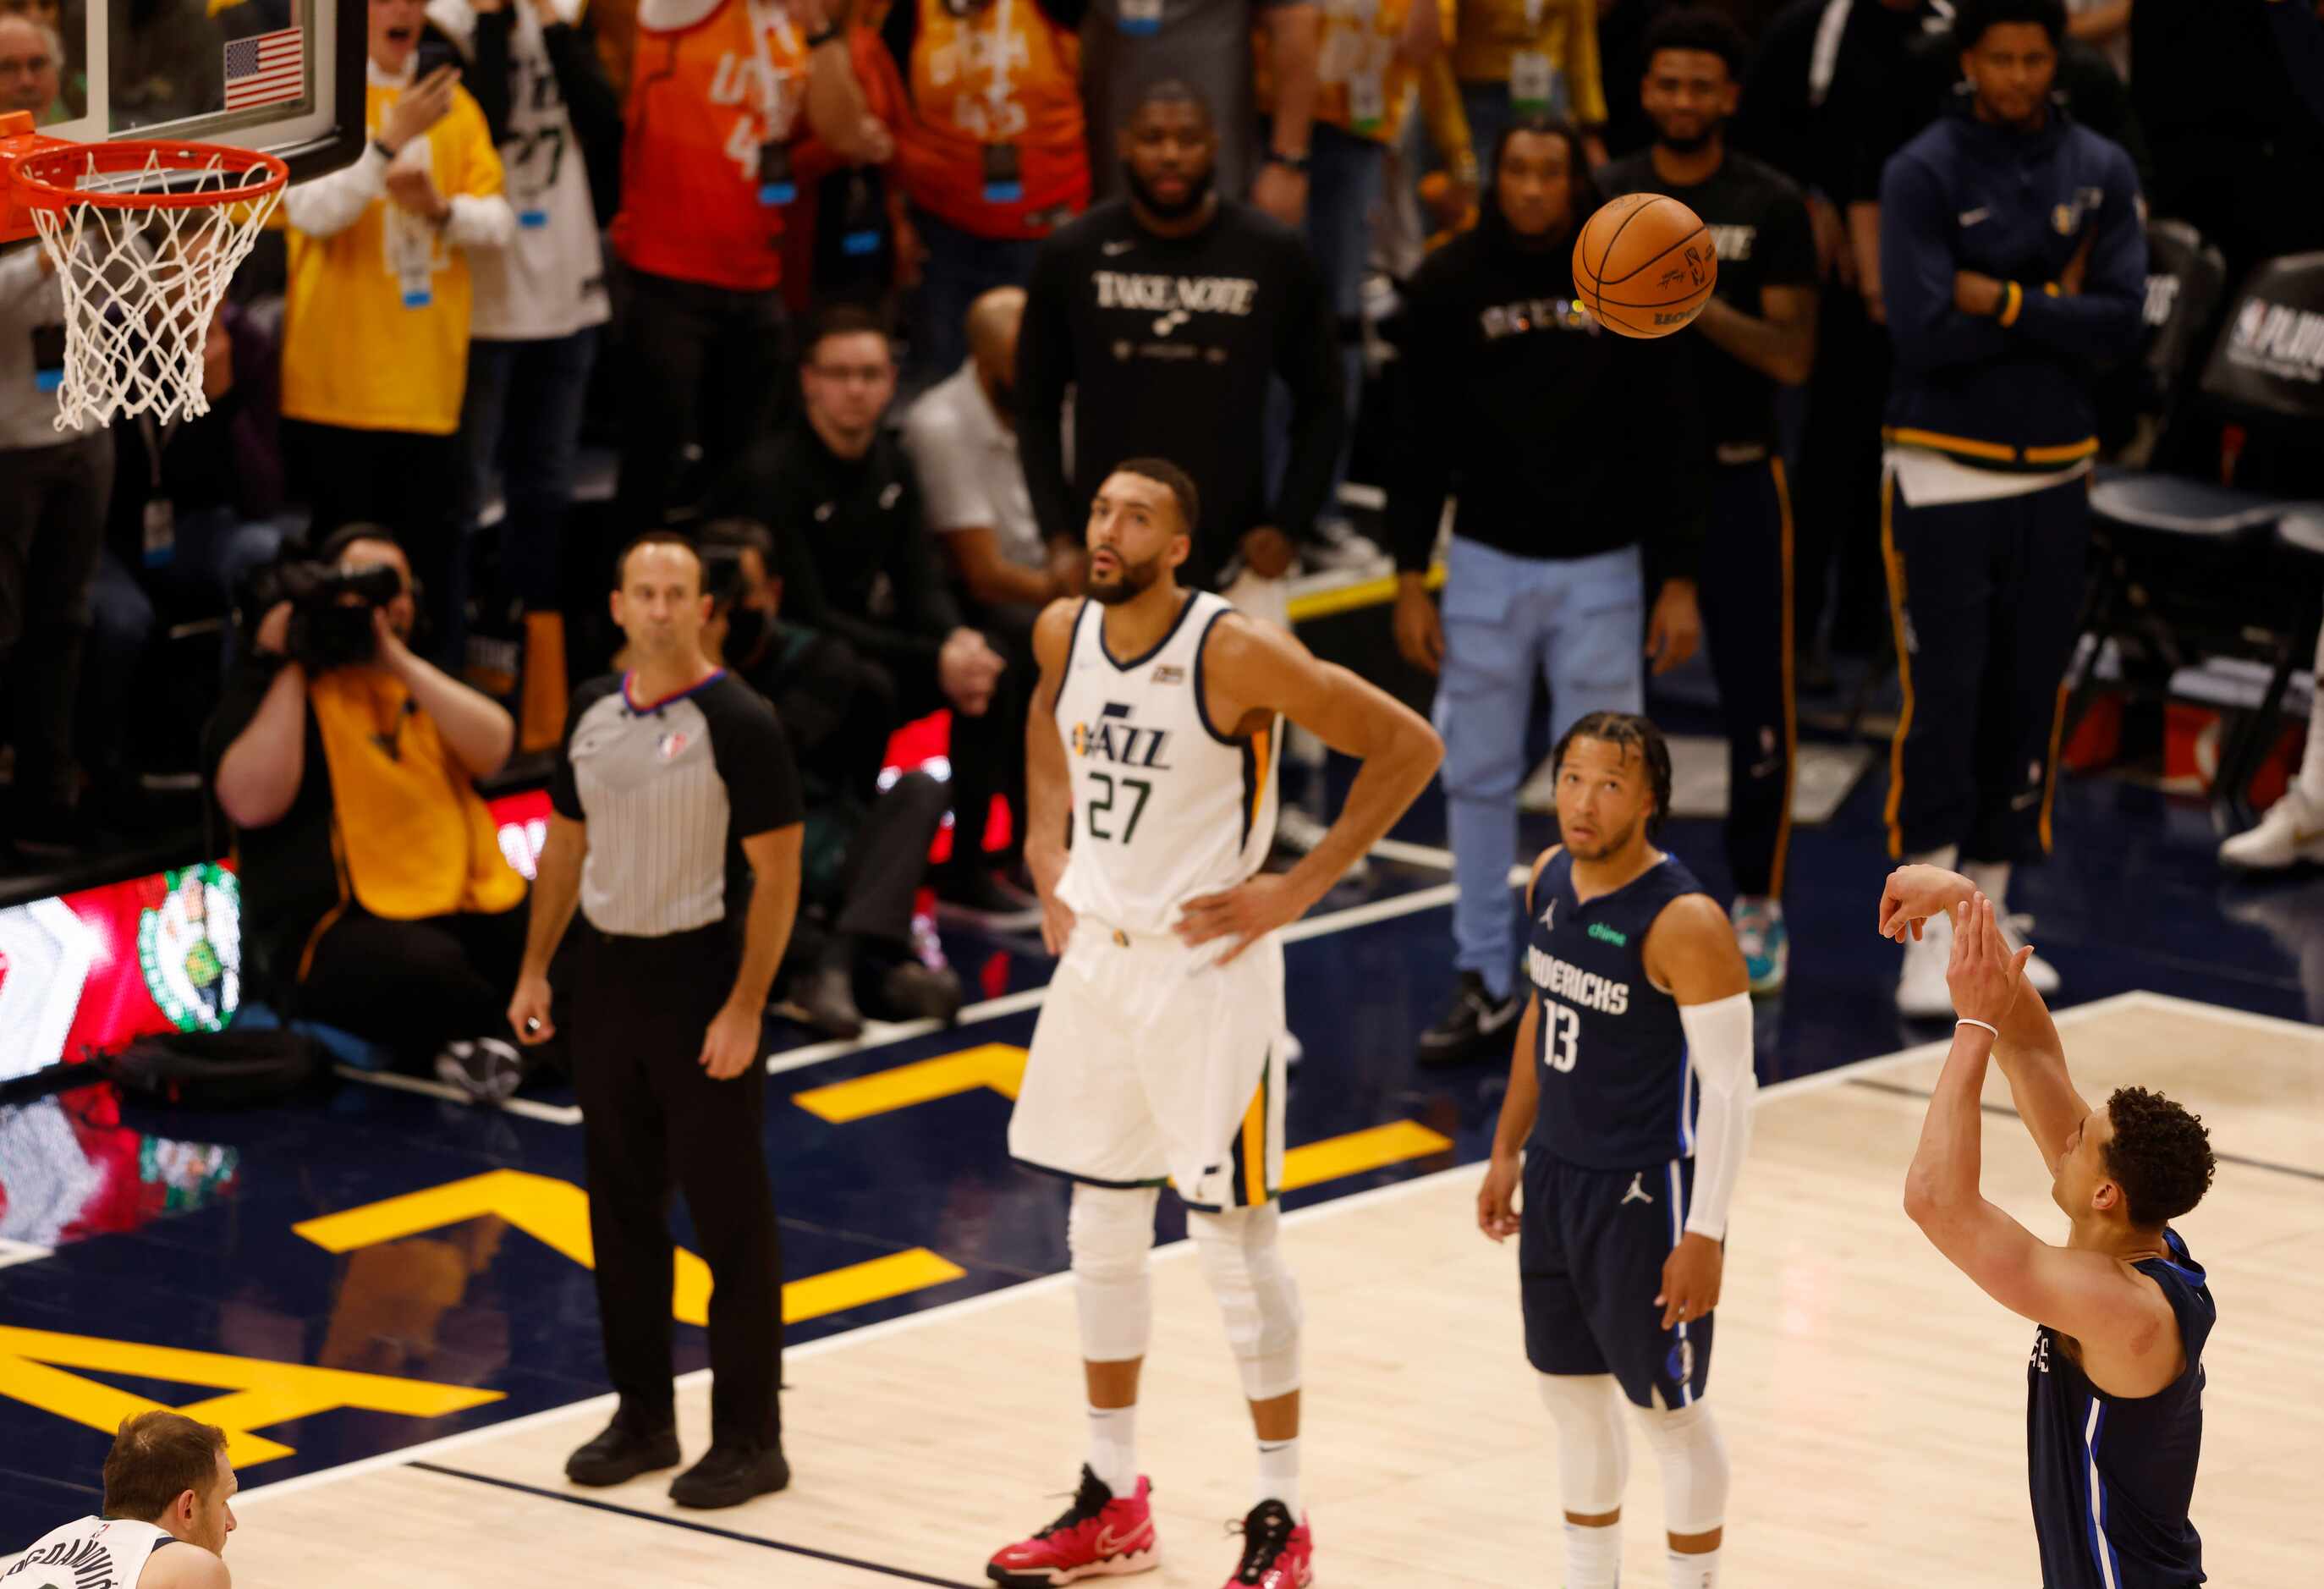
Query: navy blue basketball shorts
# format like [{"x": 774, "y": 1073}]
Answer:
[{"x": 1591, "y": 1248}]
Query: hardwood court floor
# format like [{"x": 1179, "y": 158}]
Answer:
[{"x": 1873, "y": 1401}]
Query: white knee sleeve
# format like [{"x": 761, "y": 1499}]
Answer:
[
  {"x": 1256, "y": 1294},
  {"x": 1593, "y": 1448},
  {"x": 1109, "y": 1231},
  {"x": 1692, "y": 1456}
]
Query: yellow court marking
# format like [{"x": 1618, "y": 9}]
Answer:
[
  {"x": 997, "y": 1066},
  {"x": 1361, "y": 1150},
  {"x": 33, "y": 1365},
  {"x": 557, "y": 1214}
]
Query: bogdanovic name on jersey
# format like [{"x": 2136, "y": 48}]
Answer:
[
  {"x": 1562, "y": 980},
  {"x": 1115, "y": 738}
]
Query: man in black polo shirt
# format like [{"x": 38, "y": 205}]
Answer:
[
  {"x": 1758, "y": 331},
  {"x": 664, "y": 772},
  {"x": 1168, "y": 313},
  {"x": 856, "y": 558}
]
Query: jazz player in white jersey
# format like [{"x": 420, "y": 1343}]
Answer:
[
  {"x": 168, "y": 1494},
  {"x": 1153, "y": 743}
]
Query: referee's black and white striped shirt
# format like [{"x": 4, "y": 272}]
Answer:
[{"x": 669, "y": 789}]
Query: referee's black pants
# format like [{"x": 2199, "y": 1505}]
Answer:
[
  {"x": 1746, "y": 595},
  {"x": 1988, "y": 597},
  {"x": 651, "y": 1116}
]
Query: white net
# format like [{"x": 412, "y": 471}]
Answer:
[{"x": 143, "y": 282}]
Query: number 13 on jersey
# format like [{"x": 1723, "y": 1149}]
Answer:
[{"x": 1561, "y": 1035}]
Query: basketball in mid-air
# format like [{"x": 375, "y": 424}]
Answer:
[{"x": 1644, "y": 265}]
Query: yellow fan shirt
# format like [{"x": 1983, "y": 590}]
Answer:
[
  {"x": 375, "y": 322},
  {"x": 1496, "y": 35}
]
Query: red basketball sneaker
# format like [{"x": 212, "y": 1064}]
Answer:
[
  {"x": 1100, "y": 1535},
  {"x": 1277, "y": 1552}
]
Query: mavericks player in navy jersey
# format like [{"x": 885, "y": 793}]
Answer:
[
  {"x": 2113, "y": 1393},
  {"x": 1638, "y": 1008}
]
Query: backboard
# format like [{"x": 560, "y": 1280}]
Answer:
[{"x": 284, "y": 76}]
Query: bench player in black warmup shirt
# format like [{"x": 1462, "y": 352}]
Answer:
[
  {"x": 2113, "y": 1391},
  {"x": 1757, "y": 332},
  {"x": 1168, "y": 313},
  {"x": 1636, "y": 1005}
]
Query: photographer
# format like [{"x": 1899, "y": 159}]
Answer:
[{"x": 375, "y": 897}]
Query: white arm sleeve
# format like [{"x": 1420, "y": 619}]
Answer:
[
  {"x": 1718, "y": 1048},
  {"x": 485, "y": 222},
  {"x": 328, "y": 205}
]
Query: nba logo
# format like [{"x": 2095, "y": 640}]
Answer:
[{"x": 670, "y": 745}]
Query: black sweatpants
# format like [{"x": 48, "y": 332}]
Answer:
[
  {"x": 987, "y": 754},
  {"x": 653, "y": 1118},
  {"x": 1745, "y": 587},
  {"x": 1839, "y": 477},
  {"x": 408, "y": 482},
  {"x": 414, "y": 986},
  {"x": 1987, "y": 597},
  {"x": 694, "y": 364}
]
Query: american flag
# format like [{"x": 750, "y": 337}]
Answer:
[{"x": 265, "y": 69}]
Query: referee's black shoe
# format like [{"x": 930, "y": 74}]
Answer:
[
  {"x": 729, "y": 1474},
  {"x": 1474, "y": 1023},
  {"x": 621, "y": 1453}
]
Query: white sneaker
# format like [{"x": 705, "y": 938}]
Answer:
[
  {"x": 2038, "y": 971},
  {"x": 1921, "y": 991},
  {"x": 2291, "y": 832},
  {"x": 1338, "y": 544}
]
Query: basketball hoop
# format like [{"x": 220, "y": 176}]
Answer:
[{"x": 145, "y": 236}]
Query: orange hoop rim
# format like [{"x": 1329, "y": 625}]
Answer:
[{"x": 35, "y": 175}]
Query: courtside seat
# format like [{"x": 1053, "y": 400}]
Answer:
[
  {"x": 2193, "y": 561},
  {"x": 2174, "y": 505}
]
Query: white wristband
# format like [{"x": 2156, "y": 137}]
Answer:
[{"x": 1988, "y": 1026}]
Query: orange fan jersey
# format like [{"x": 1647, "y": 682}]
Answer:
[
  {"x": 712, "y": 84},
  {"x": 990, "y": 85}
]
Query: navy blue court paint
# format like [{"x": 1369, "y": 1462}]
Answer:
[
  {"x": 667, "y": 1521},
  {"x": 2134, "y": 900}
]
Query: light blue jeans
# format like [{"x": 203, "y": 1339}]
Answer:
[{"x": 1579, "y": 624}]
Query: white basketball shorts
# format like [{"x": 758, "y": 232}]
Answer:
[{"x": 1152, "y": 1061}]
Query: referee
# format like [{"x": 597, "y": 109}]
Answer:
[{"x": 663, "y": 773}]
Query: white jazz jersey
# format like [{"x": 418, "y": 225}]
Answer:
[
  {"x": 1166, "y": 806},
  {"x": 95, "y": 1553},
  {"x": 549, "y": 281}
]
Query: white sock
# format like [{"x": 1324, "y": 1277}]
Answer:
[
  {"x": 1113, "y": 1448},
  {"x": 1694, "y": 1572},
  {"x": 1279, "y": 1473},
  {"x": 1991, "y": 878},
  {"x": 1593, "y": 1556},
  {"x": 1946, "y": 857}
]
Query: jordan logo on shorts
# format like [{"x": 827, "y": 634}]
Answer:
[
  {"x": 1638, "y": 1192},
  {"x": 1549, "y": 916}
]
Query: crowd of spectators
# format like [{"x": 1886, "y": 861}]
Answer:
[{"x": 861, "y": 296}]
